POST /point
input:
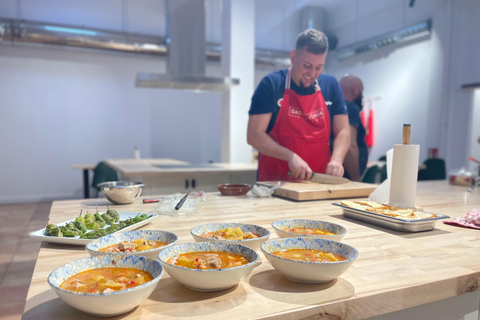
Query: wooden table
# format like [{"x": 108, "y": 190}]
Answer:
[
  {"x": 394, "y": 270},
  {"x": 86, "y": 171}
]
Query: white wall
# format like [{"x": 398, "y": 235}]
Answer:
[
  {"x": 64, "y": 107},
  {"x": 420, "y": 80}
]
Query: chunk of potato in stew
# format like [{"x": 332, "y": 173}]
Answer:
[
  {"x": 208, "y": 260},
  {"x": 230, "y": 234},
  {"x": 309, "y": 255},
  {"x": 309, "y": 231},
  {"x": 106, "y": 280},
  {"x": 134, "y": 246}
]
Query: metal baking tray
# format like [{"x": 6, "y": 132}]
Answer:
[{"x": 391, "y": 222}]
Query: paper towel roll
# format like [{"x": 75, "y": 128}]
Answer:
[{"x": 403, "y": 184}]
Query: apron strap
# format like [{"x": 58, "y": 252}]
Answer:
[{"x": 289, "y": 78}]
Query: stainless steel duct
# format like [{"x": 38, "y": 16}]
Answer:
[
  {"x": 186, "y": 52},
  {"x": 24, "y": 31},
  {"x": 313, "y": 17},
  {"x": 416, "y": 31}
]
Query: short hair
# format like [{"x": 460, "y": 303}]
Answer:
[{"x": 313, "y": 41}]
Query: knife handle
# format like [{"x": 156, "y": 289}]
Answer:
[
  {"x": 151, "y": 200},
  {"x": 182, "y": 201},
  {"x": 290, "y": 174}
]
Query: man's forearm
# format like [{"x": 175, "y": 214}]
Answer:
[
  {"x": 341, "y": 145},
  {"x": 267, "y": 146}
]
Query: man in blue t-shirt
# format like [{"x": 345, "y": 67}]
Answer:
[
  {"x": 293, "y": 114},
  {"x": 356, "y": 159}
]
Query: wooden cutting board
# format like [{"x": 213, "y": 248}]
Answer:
[{"x": 307, "y": 190}]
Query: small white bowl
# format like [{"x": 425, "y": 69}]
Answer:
[
  {"x": 338, "y": 230},
  {"x": 213, "y": 279},
  {"x": 305, "y": 271},
  {"x": 112, "y": 303},
  {"x": 111, "y": 239},
  {"x": 251, "y": 243}
]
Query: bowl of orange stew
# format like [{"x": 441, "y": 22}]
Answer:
[
  {"x": 106, "y": 285},
  {"x": 291, "y": 228},
  {"x": 249, "y": 235},
  {"x": 146, "y": 243},
  {"x": 209, "y": 266},
  {"x": 309, "y": 260}
]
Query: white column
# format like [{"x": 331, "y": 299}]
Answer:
[{"x": 238, "y": 61}]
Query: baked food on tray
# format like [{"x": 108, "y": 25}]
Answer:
[{"x": 396, "y": 212}]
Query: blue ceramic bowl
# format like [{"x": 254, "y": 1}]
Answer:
[
  {"x": 164, "y": 236},
  {"x": 338, "y": 230},
  {"x": 112, "y": 303},
  {"x": 210, "y": 279},
  {"x": 251, "y": 243},
  {"x": 305, "y": 271}
]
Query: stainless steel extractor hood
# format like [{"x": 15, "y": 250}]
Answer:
[{"x": 186, "y": 52}]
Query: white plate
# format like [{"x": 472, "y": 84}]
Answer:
[{"x": 40, "y": 234}]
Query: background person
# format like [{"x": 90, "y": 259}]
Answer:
[{"x": 357, "y": 156}]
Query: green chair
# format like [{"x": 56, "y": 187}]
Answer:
[
  {"x": 370, "y": 175},
  {"x": 383, "y": 173},
  {"x": 383, "y": 158},
  {"x": 103, "y": 173},
  {"x": 435, "y": 170}
]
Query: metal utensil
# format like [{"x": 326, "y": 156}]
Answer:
[
  {"x": 182, "y": 201},
  {"x": 325, "y": 178}
]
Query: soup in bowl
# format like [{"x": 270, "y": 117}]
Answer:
[
  {"x": 106, "y": 285},
  {"x": 146, "y": 243},
  {"x": 309, "y": 260},
  {"x": 249, "y": 235},
  {"x": 309, "y": 228},
  {"x": 209, "y": 266}
]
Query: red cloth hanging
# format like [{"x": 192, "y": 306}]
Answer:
[
  {"x": 369, "y": 136},
  {"x": 362, "y": 118}
]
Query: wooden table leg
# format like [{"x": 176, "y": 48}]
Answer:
[{"x": 86, "y": 184}]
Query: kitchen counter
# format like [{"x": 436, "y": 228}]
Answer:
[
  {"x": 163, "y": 176},
  {"x": 166, "y": 167},
  {"x": 394, "y": 270}
]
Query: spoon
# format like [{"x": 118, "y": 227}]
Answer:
[{"x": 182, "y": 201}]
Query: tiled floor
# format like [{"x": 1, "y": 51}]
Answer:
[{"x": 18, "y": 253}]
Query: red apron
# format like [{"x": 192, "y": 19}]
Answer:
[{"x": 302, "y": 126}]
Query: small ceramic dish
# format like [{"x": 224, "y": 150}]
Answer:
[
  {"x": 112, "y": 303},
  {"x": 254, "y": 243},
  {"x": 306, "y": 271},
  {"x": 338, "y": 230},
  {"x": 207, "y": 280},
  {"x": 169, "y": 238},
  {"x": 231, "y": 189}
]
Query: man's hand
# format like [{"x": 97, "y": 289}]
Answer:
[
  {"x": 299, "y": 169},
  {"x": 335, "y": 168}
]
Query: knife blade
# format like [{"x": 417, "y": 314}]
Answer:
[{"x": 327, "y": 179}]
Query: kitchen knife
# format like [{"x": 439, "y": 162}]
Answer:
[{"x": 325, "y": 178}]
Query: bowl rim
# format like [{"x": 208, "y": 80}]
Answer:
[
  {"x": 251, "y": 263},
  {"x": 233, "y": 186},
  {"x": 132, "y": 253},
  {"x": 233, "y": 241},
  {"x": 343, "y": 233},
  {"x": 355, "y": 251},
  {"x": 118, "y": 184},
  {"x": 147, "y": 259}
]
